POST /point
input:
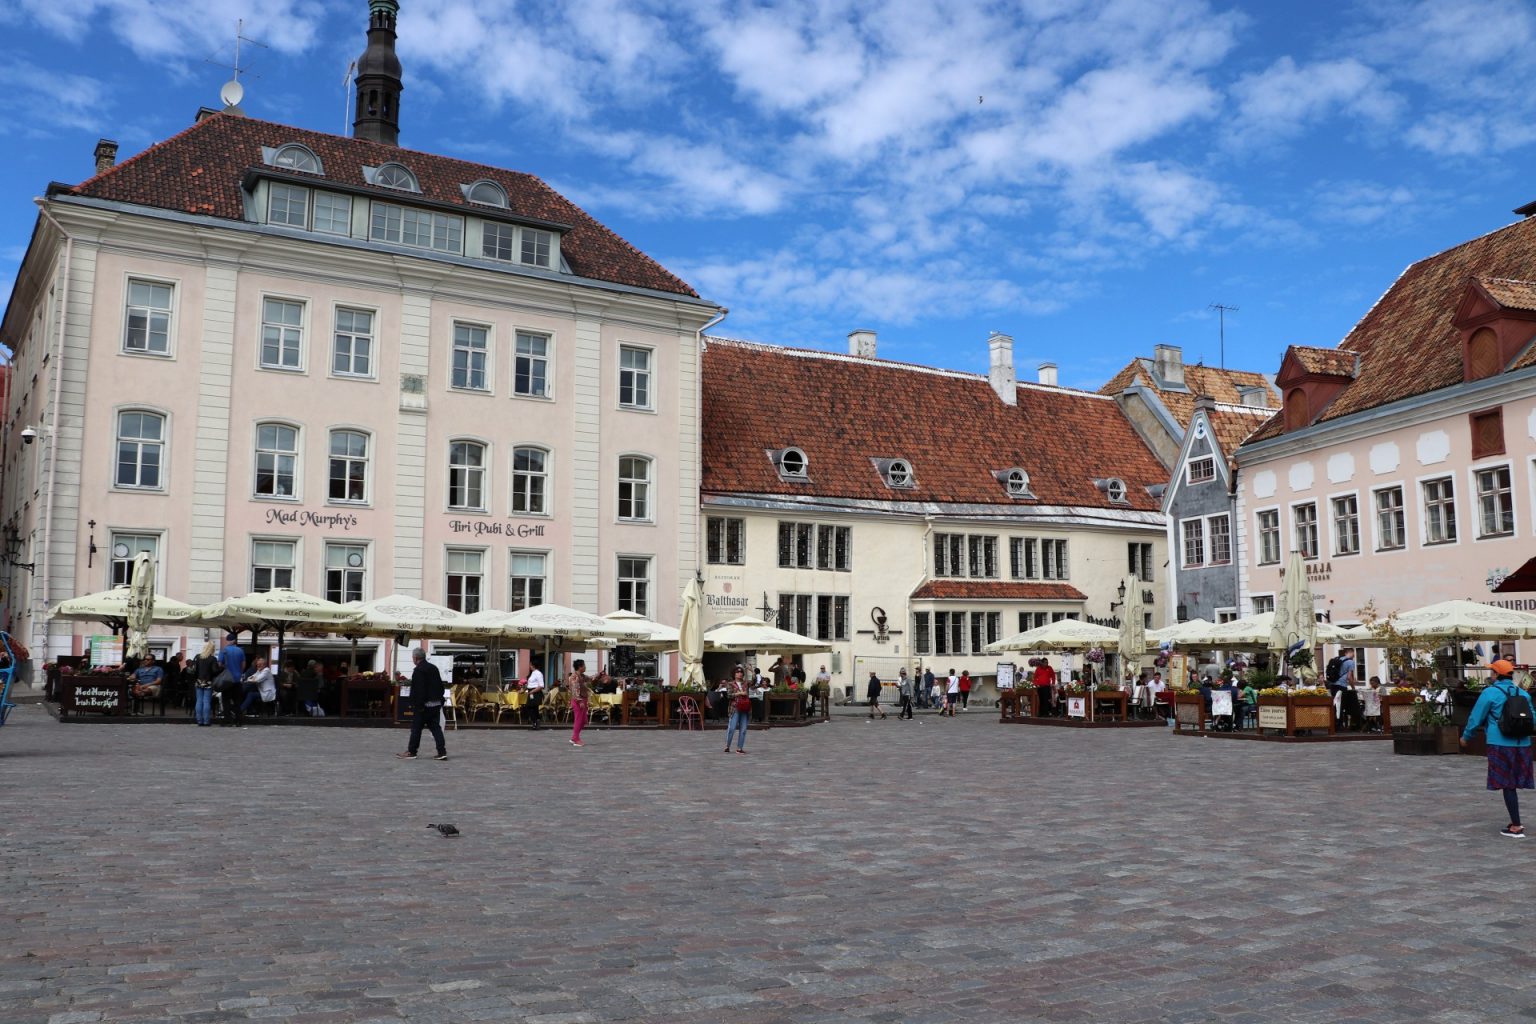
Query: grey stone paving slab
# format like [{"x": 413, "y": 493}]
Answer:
[{"x": 927, "y": 871}]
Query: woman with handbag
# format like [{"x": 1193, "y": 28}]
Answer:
[
  {"x": 207, "y": 667},
  {"x": 741, "y": 711}
]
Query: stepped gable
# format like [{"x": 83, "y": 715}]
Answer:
[
  {"x": 199, "y": 171},
  {"x": 842, "y": 411},
  {"x": 1407, "y": 342}
]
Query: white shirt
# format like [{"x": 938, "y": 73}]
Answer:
[
  {"x": 535, "y": 680},
  {"x": 954, "y": 684}
]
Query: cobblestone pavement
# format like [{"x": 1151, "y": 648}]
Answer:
[{"x": 925, "y": 871}]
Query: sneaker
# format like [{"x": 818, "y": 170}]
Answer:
[
  {"x": 406, "y": 757},
  {"x": 576, "y": 743},
  {"x": 441, "y": 757},
  {"x": 1513, "y": 831}
]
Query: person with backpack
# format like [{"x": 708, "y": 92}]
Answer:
[{"x": 1503, "y": 712}]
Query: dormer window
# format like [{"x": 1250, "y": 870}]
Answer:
[
  {"x": 1202, "y": 470},
  {"x": 896, "y": 473},
  {"x": 393, "y": 175},
  {"x": 486, "y": 193},
  {"x": 1114, "y": 488},
  {"x": 296, "y": 158},
  {"x": 1016, "y": 482},
  {"x": 791, "y": 464}
]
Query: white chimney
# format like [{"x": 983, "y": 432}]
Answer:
[
  {"x": 1048, "y": 374},
  {"x": 1169, "y": 363},
  {"x": 1256, "y": 397},
  {"x": 861, "y": 343},
  {"x": 1000, "y": 367}
]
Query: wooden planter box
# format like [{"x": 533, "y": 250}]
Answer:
[
  {"x": 1300, "y": 714},
  {"x": 1440, "y": 739},
  {"x": 1189, "y": 712},
  {"x": 1016, "y": 704},
  {"x": 1109, "y": 706},
  {"x": 1397, "y": 712},
  {"x": 638, "y": 712},
  {"x": 783, "y": 707}
]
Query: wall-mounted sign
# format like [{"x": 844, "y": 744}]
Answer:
[
  {"x": 343, "y": 521},
  {"x": 725, "y": 601},
  {"x": 483, "y": 528},
  {"x": 106, "y": 649}
]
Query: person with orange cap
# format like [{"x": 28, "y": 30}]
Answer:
[{"x": 1509, "y": 739}]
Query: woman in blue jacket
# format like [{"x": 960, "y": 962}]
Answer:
[{"x": 1509, "y": 758}]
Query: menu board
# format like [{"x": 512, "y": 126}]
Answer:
[
  {"x": 1005, "y": 675},
  {"x": 106, "y": 651}
]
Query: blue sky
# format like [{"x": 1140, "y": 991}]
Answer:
[{"x": 1086, "y": 175}]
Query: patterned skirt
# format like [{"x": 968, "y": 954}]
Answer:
[{"x": 1509, "y": 767}]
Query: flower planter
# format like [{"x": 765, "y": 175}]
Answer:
[
  {"x": 1189, "y": 712},
  {"x": 1291, "y": 715},
  {"x": 1016, "y": 704},
  {"x": 783, "y": 707},
  {"x": 642, "y": 712},
  {"x": 1438, "y": 739},
  {"x": 1397, "y": 712}
]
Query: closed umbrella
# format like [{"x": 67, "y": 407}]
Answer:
[
  {"x": 141, "y": 604},
  {"x": 1294, "y": 627},
  {"x": 691, "y": 634},
  {"x": 1133, "y": 628}
]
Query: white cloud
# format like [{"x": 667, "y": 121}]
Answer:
[
  {"x": 168, "y": 28},
  {"x": 1286, "y": 98},
  {"x": 45, "y": 100},
  {"x": 1358, "y": 203}
]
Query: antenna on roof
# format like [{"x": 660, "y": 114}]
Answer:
[
  {"x": 346, "y": 97},
  {"x": 233, "y": 92},
  {"x": 1221, "y": 318}
]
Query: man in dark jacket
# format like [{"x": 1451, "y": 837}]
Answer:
[{"x": 426, "y": 706}]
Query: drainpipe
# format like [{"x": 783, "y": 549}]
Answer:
[
  {"x": 699, "y": 524},
  {"x": 53, "y": 428}
]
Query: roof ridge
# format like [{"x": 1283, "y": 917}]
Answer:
[{"x": 141, "y": 154}]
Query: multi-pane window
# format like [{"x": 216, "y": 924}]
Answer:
[
  {"x": 272, "y": 563},
  {"x": 1194, "y": 542},
  {"x": 949, "y": 632},
  {"x": 277, "y": 458},
  {"x": 922, "y": 633},
  {"x": 1306, "y": 529},
  {"x": 1269, "y": 536},
  {"x": 470, "y": 349},
  {"x": 984, "y": 630},
  {"x": 958, "y": 554},
  {"x": 635, "y": 585},
  {"x": 1023, "y": 558},
  {"x": 805, "y": 546},
  {"x": 124, "y": 547},
  {"x": 496, "y": 240},
  {"x": 528, "y": 579},
  {"x": 147, "y": 323},
  {"x": 466, "y": 579},
  {"x": 394, "y": 175},
  {"x": 536, "y": 247},
  {"x": 530, "y": 481},
  {"x": 725, "y": 540},
  {"x": 466, "y": 476},
  {"x": 352, "y": 346},
  {"x": 634, "y": 488},
  {"x": 1390, "y": 527},
  {"x": 1346, "y": 525},
  {"x": 1218, "y": 534},
  {"x": 349, "y": 466},
  {"x": 1263, "y": 603},
  {"x": 808, "y": 545},
  {"x": 287, "y": 204},
  {"x": 1033, "y": 620},
  {"x": 333, "y": 213},
  {"x": 1495, "y": 504},
  {"x": 795, "y": 612},
  {"x": 1202, "y": 469},
  {"x": 1139, "y": 557},
  {"x": 345, "y": 565},
  {"x": 1439, "y": 511},
  {"x": 282, "y": 334},
  {"x": 982, "y": 560},
  {"x": 140, "y": 449},
  {"x": 1054, "y": 556},
  {"x": 419, "y": 229},
  {"x": 634, "y": 377},
  {"x": 530, "y": 365}
]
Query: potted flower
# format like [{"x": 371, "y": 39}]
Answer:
[{"x": 1188, "y": 709}]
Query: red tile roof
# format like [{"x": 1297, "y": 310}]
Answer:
[
  {"x": 1225, "y": 386},
  {"x": 995, "y": 590},
  {"x": 1407, "y": 341},
  {"x": 842, "y": 411},
  {"x": 1510, "y": 294},
  {"x": 1331, "y": 362},
  {"x": 199, "y": 171}
]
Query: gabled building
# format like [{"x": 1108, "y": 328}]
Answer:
[
  {"x": 1403, "y": 463},
  {"x": 911, "y": 515},
  {"x": 271, "y": 356}
]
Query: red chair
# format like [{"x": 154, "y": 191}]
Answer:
[{"x": 688, "y": 712}]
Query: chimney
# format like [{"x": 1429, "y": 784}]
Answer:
[
  {"x": 106, "y": 154},
  {"x": 1255, "y": 397},
  {"x": 1048, "y": 374},
  {"x": 861, "y": 343},
  {"x": 1169, "y": 363},
  {"x": 1000, "y": 367}
]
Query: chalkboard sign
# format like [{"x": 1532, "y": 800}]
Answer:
[
  {"x": 621, "y": 660},
  {"x": 107, "y": 695}
]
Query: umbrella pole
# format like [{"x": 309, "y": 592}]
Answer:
[{"x": 352, "y": 665}]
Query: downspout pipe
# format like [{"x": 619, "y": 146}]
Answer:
[
  {"x": 698, "y": 404},
  {"x": 41, "y": 611}
]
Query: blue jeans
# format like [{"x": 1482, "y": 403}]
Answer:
[
  {"x": 739, "y": 720},
  {"x": 204, "y": 710}
]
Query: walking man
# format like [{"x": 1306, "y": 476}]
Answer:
[
  {"x": 905, "y": 685},
  {"x": 824, "y": 690},
  {"x": 928, "y": 687},
  {"x": 535, "y": 689},
  {"x": 426, "y": 706},
  {"x": 1509, "y": 756},
  {"x": 873, "y": 695}
]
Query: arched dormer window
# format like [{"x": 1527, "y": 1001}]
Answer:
[
  {"x": 297, "y": 158},
  {"x": 1116, "y": 491},
  {"x": 1017, "y": 482},
  {"x": 1482, "y": 354},
  {"x": 486, "y": 193},
  {"x": 792, "y": 463},
  {"x": 398, "y": 176},
  {"x": 1297, "y": 409}
]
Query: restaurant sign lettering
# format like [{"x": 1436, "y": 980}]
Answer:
[
  {"x": 94, "y": 697},
  {"x": 1271, "y": 717},
  {"x": 343, "y": 521},
  {"x": 482, "y": 528}
]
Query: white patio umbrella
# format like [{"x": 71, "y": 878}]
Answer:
[
  {"x": 657, "y": 636},
  {"x": 401, "y": 615},
  {"x": 1063, "y": 635},
  {"x": 1465, "y": 620},
  {"x": 746, "y": 634},
  {"x": 1253, "y": 632},
  {"x": 279, "y": 611},
  {"x": 1294, "y": 623},
  {"x": 1175, "y": 634},
  {"x": 141, "y": 604},
  {"x": 691, "y": 633},
  {"x": 110, "y": 608},
  {"x": 1133, "y": 628}
]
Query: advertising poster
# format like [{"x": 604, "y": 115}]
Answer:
[{"x": 106, "y": 651}]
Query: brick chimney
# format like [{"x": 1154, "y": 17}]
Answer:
[
  {"x": 1168, "y": 361},
  {"x": 1000, "y": 367},
  {"x": 106, "y": 154},
  {"x": 1048, "y": 374},
  {"x": 861, "y": 343}
]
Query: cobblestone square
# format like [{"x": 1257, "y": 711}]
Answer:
[{"x": 925, "y": 871}]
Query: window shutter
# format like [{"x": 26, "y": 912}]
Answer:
[
  {"x": 1487, "y": 433},
  {"x": 1482, "y": 354}
]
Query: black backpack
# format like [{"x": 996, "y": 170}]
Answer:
[
  {"x": 1515, "y": 720},
  {"x": 1335, "y": 666}
]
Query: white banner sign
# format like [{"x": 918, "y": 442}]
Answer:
[{"x": 1077, "y": 707}]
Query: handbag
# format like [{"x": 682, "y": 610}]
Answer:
[{"x": 742, "y": 704}]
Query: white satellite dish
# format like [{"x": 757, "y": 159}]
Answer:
[{"x": 232, "y": 93}]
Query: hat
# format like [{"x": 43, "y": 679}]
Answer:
[{"x": 1502, "y": 668}]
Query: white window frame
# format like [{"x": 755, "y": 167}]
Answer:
[
  {"x": 1189, "y": 468},
  {"x": 1210, "y": 546},
  {"x": 296, "y": 147},
  {"x": 548, "y": 338},
  {"x": 1333, "y": 526},
  {"x": 499, "y": 203},
  {"x": 303, "y": 335},
  {"x": 724, "y": 548},
  {"x": 114, "y": 534},
  {"x": 1258, "y": 534},
  {"x": 367, "y": 460},
  {"x": 294, "y": 543},
  {"x": 288, "y": 187},
  {"x": 531, "y": 237},
  {"x": 547, "y": 475},
  {"x": 1402, "y": 508},
  {"x": 804, "y": 472},
  {"x": 1420, "y": 485},
  {"x": 1317, "y": 531},
  {"x": 1258, "y": 603},
  {"x": 649, "y": 374},
  {"x": 1507, "y": 465},
  {"x": 373, "y": 342},
  {"x": 448, "y": 573},
  {"x": 1185, "y": 533},
  {"x": 129, "y": 280},
  {"x": 490, "y": 227},
  {"x": 165, "y": 446},
  {"x": 380, "y": 231},
  {"x": 488, "y": 368},
  {"x": 650, "y": 489},
  {"x": 365, "y": 570},
  {"x": 484, "y": 507},
  {"x": 546, "y": 586},
  {"x": 377, "y": 177},
  {"x": 314, "y": 206},
  {"x": 647, "y": 581},
  {"x": 1061, "y": 559},
  {"x": 298, "y": 461}
]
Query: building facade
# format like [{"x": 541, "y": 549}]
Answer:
[
  {"x": 274, "y": 357},
  {"x": 910, "y": 516}
]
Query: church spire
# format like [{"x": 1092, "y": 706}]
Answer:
[{"x": 378, "y": 78}]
